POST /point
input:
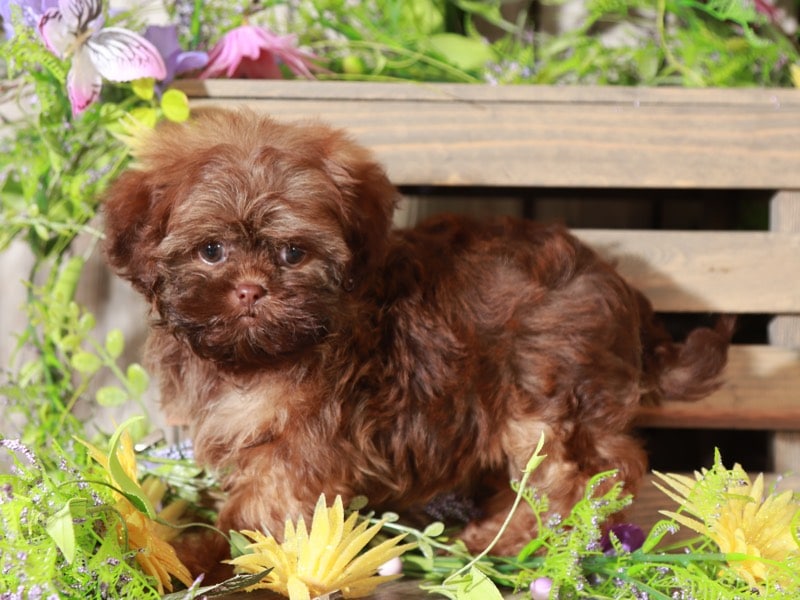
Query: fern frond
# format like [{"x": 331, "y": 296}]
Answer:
[{"x": 25, "y": 53}]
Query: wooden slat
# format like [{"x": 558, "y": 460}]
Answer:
[
  {"x": 540, "y": 136},
  {"x": 762, "y": 391},
  {"x": 707, "y": 271},
  {"x": 784, "y": 330}
]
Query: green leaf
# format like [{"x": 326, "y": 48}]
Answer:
[
  {"x": 111, "y": 395},
  {"x": 434, "y": 529},
  {"x": 129, "y": 488},
  {"x": 71, "y": 342},
  {"x": 537, "y": 457},
  {"x": 144, "y": 88},
  {"x": 426, "y": 549},
  {"x": 115, "y": 343},
  {"x": 86, "y": 322},
  {"x": 530, "y": 548},
  {"x": 353, "y": 65},
  {"x": 175, "y": 105},
  {"x": 469, "y": 54},
  {"x": 30, "y": 371},
  {"x": 85, "y": 363},
  {"x": 487, "y": 10},
  {"x": 357, "y": 503},
  {"x": 422, "y": 16},
  {"x": 477, "y": 586},
  {"x": 657, "y": 533},
  {"x": 41, "y": 231},
  {"x": 224, "y": 589},
  {"x": 239, "y": 544},
  {"x": 138, "y": 379},
  {"x": 61, "y": 529},
  {"x": 146, "y": 116},
  {"x": 67, "y": 281}
]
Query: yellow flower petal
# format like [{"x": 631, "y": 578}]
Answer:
[
  {"x": 327, "y": 558},
  {"x": 732, "y": 511},
  {"x": 296, "y": 589},
  {"x": 795, "y": 72},
  {"x": 149, "y": 538}
]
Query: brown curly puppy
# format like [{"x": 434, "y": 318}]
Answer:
[{"x": 310, "y": 348}]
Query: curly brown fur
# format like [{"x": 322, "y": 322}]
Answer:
[{"x": 309, "y": 348}]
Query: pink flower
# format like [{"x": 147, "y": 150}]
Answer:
[
  {"x": 75, "y": 29},
  {"x": 393, "y": 566},
  {"x": 768, "y": 8},
  {"x": 541, "y": 588},
  {"x": 252, "y": 52}
]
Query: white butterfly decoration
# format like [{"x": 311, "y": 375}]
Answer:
[{"x": 74, "y": 29}]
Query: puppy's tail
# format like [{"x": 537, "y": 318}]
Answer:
[{"x": 689, "y": 370}]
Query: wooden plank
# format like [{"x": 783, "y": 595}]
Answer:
[
  {"x": 466, "y": 92},
  {"x": 762, "y": 391},
  {"x": 707, "y": 271},
  {"x": 784, "y": 330},
  {"x": 540, "y": 136}
]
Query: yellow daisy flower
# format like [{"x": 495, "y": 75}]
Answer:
[
  {"x": 733, "y": 512},
  {"x": 794, "y": 71},
  {"x": 326, "y": 559},
  {"x": 150, "y": 538}
]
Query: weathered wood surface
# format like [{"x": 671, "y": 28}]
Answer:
[
  {"x": 762, "y": 391},
  {"x": 461, "y": 134},
  {"x": 643, "y": 512},
  {"x": 784, "y": 331},
  {"x": 596, "y": 137},
  {"x": 707, "y": 271}
]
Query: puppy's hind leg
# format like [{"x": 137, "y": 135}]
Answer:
[
  {"x": 573, "y": 456},
  {"x": 555, "y": 477}
]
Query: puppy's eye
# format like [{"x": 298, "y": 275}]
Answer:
[
  {"x": 291, "y": 255},
  {"x": 212, "y": 253}
]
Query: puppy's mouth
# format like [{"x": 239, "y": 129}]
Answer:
[
  {"x": 248, "y": 317},
  {"x": 250, "y": 338}
]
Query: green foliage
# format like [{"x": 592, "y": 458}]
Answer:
[
  {"x": 53, "y": 169},
  {"x": 567, "y": 552},
  {"x": 655, "y": 42},
  {"x": 54, "y": 526},
  {"x": 566, "y": 543}
]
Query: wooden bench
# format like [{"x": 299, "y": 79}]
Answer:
[{"x": 450, "y": 135}]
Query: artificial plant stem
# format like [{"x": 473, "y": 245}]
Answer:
[
  {"x": 534, "y": 462},
  {"x": 661, "y": 17},
  {"x": 194, "y": 26}
]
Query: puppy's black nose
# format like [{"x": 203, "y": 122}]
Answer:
[{"x": 247, "y": 294}]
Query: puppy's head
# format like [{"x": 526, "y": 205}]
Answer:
[{"x": 245, "y": 233}]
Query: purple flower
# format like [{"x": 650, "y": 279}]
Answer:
[
  {"x": 253, "y": 52},
  {"x": 177, "y": 61},
  {"x": 630, "y": 537},
  {"x": 31, "y": 10},
  {"x": 16, "y": 446},
  {"x": 540, "y": 588}
]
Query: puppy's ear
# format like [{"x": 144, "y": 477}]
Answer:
[
  {"x": 369, "y": 200},
  {"x": 135, "y": 223}
]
